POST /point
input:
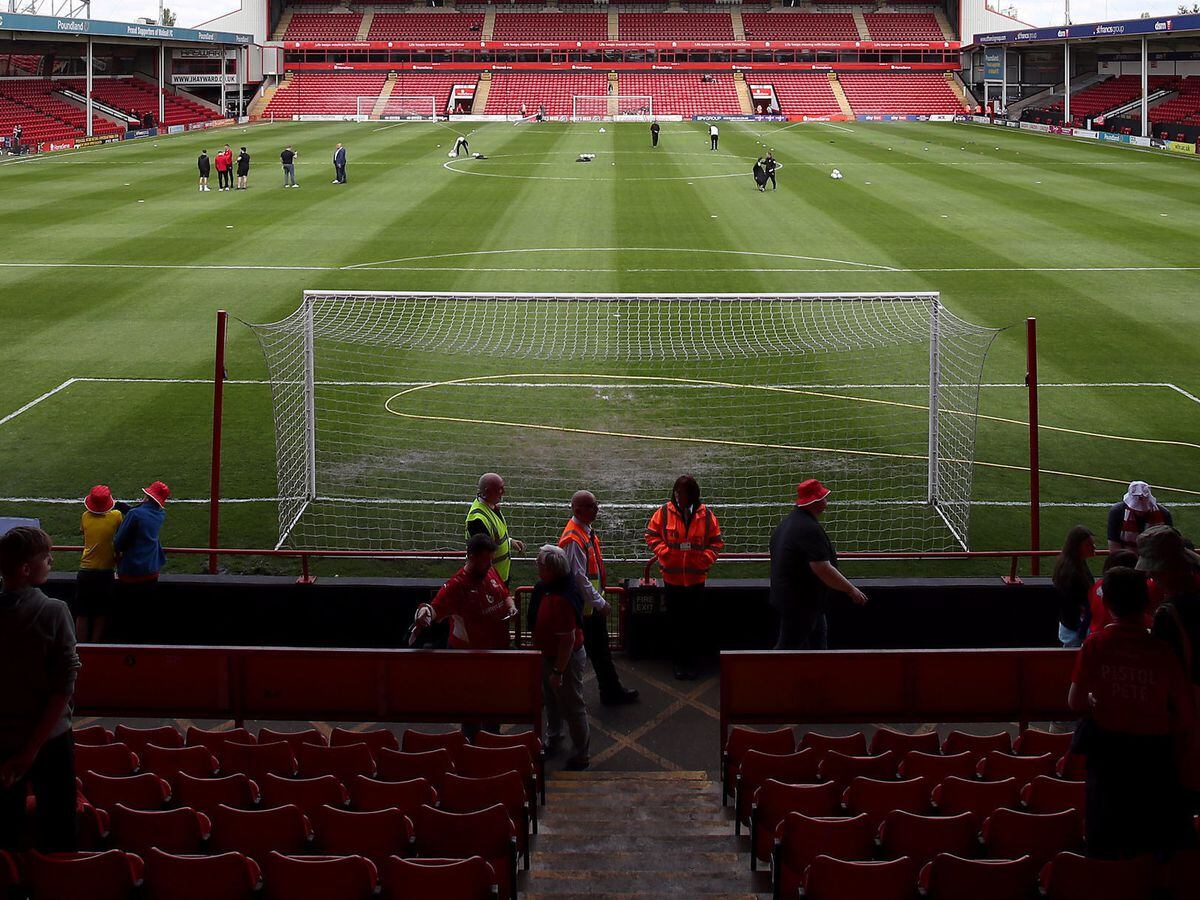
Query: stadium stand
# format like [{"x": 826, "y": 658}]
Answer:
[
  {"x": 804, "y": 93},
  {"x": 43, "y": 116},
  {"x": 679, "y": 93},
  {"x": 1112, "y": 92},
  {"x": 675, "y": 27},
  {"x": 323, "y": 27},
  {"x": 1183, "y": 108},
  {"x": 789, "y": 26},
  {"x": 427, "y": 84},
  {"x": 910, "y": 93},
  {"x": 903, "y": 27},
  {"x": 550, "y": 27},
  {"x": 552, "y": 89},
  {"x": 457, "y": 26},
  {"x": 135, "y": 95},
  {"x": 321, "y": 93}
]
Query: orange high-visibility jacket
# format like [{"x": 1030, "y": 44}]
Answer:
[
  {"x": 574, "y": 533},
  {"x": 684, "y": 552}
]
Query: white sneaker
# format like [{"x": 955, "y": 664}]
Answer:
[{"x": 335, "y": 181}]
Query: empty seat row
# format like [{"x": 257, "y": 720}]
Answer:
[
  {"x": 684, "y": 94},
  {"x": 552, "y": 90},
  {"x": 323, "y": 26},
  {"x": 911, "y": 93},
  {"x": 791, "y": 26},
  {"x": 804, "y": 93},
  {"x": 444, "y": 26},
  {"x": 550, "y": 27},
  {"x": 157, "y": 875},
  {"x": 903, "y": 27}
]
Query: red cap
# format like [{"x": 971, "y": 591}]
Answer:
[
  {"x": 810, "y": 491},
  {"x": 158, "y": 492},
  {"x": 99, "y": 499}
]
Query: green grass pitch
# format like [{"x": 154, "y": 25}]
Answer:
[{"x": 112, "y": 265}]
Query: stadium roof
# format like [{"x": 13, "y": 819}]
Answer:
[
  {"x": 79, "y": 28},
  {"x": 1094, "y": 31}
]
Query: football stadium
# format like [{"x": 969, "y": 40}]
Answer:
[{"x": 661, "y": 449}]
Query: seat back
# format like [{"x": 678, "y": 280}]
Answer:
[
  {"x": 1033, "y": 742},
  {"x": 206, "y": 794},
  {"x": 921, "y": 838},
  {"x": 367, "y": 794},
  {"x": 835, "y": 879},
  {"x": 756, "y": 767},
  {"x": 979, "y": 744},
  {"x": 527, "y": 739},
  {"x": 804, "y": 838},
  {"x": 138, "y": 739},
  {"x": 111, "y": 875},
  {"x": 1008, "y": 834},
  {"x": 432, "y": 765},
  {"x": 741, "y": 740},
  {"x": 854, "y": 744},
  {"x": 878, "y": 797},
  {"x": 170, "y": 761},
  {"x": 951, "y": 877},
  {"x": 997, "y": 766},
  {"x": 488, "y": 833},
  {"x": 106, "y": 759},
  {"x": 842, "y": 769},
  {"x": 258, "y": 760},
  {"x": 256, "y": 832},
  {"x": 484, "y": 762},
  {"x": 1047, "y": 795},
  {"x": 292, "y": 738},
  {"x": 981, "y": 798},
  {"x": 310, "y": 794},
  {"x": 423, "y": 742},
  {"x": 375, "y": 835},
  {"x": 377, "y": 739},
  {"x": 902, "y": 742},
  {"x": 91, "y": 735},
  {"x": 225, "y": 876},
  {"x": 464, "y": 879},
  {"x": 145, "y": 791},
  {"x": 341, "y": 877},
  {"x": 775, "y": 799},
  {"x": 216, "y": 740},
  {"x": 181, "y": 830},
  {"x": 937, "y": 767},
  {"x": 343, "y": 762},
  {"x": 1070, "y": 876}
]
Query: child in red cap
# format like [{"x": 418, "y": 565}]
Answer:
[{"x": 97, "y": 566}]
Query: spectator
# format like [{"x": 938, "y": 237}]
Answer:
[
  {"x": 1098, "y": 616},
  {"x": 339, "y": 162},
  {"x": 486, "y": 517},
  {"x": 1137, "y": 511},
  {"x": 288, "y": 157},
  {"x": 16, "y": 133},
  {"x": 685, "y": 538},
  {"x": 1163, "y": 553},
  {"x": 804, "y": 572},
  {"x": 1073, "y": 579},
  {"x": 475, "y": 600},
  {"x": 224, "y": 161},
  {"x": 1136, "y": 700},
  {"x": 38, "y": 666},
  {"x": 97, "y": 566},
  {"x": 202, "y": 163},
  {"x": 243, "y": 169},
  {"x": 141, "y": 559},
  {"x": 556, "y": 616}
]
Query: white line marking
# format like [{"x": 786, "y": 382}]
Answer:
[
  {"x": 838, "y": 127},
  {"x": 35, "y": 401},
  {"x": 1176, "y": 387}
]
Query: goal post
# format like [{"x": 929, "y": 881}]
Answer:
[
  {"x": 397, "y": 107},
  {"x": 611, "y": 107},
  {"x": 388, "y": 408}
]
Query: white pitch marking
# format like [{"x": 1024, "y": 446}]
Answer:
[
  {"x": 36, "y": 400},
  {"x": 1190, "y": 396},
  {"x": 838, "y": 127}
]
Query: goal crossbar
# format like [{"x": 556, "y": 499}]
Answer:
[
  {"x": 610, "y": 107},
  {"x": 397, "y": 107}
]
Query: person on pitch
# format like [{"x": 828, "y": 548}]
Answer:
[
  {"x": 288, "y": 158},
  {"x": 204, "y": 164},
  {"x": 654, "y": 133},
  {"x": 685, "y": 538},
  {"x": 769, "y": 167},
  {"x": 760, "y": 174},
  {"x": 339, "y": 165},
  {"x": 587, "y": 568},
  {"x": 804, "y": 572},
  {"x": 224, "y": 166},
  {"x": 713, "y": 136},
  {"x": 486, "y": 517},
  {"x": 460, "y": 146},
  {"x": 243, "y": 169}
]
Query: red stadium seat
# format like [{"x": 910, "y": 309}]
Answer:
[
  {"x": 432, "y": 765},
  {"x": 979, "y": 744},
  {"x": 997, "y": 766},
  {"x": 741, "y": 741},
  {"x": 834, "y": 879},
  {"x": 256, "y": 832},
  {"x": 225, "y": 876},
  {"x": 375, "y": 835},
  {"x": 790, "y": 768},
  {"x": 876, "y": 798},
  {"x": 376, "y": 739},
  {"x": 843, "y": 769},
  {"x": 215, "y": 740},
  {"x": 310, "y": 794},
  {"x": 112, "y": 875},
  {"x": 1032, "y": 742},
  {"x": 92, "y": 827},
  {"x": 1008, "y": 834},
  {"x": 1073, "y": 767},
  {"x": 484, "y": 762},
  {"x": 775, "y": 799},
  {"x": 368, "y": 794},
  {"x": 488, "y": 833},
  {"x": 342, "y": 762},
  {"x": 1070, "y": 876},
  {"x": 527, "y": 739},
  {"x": 423, "y": 742},
  {"x": 206, "y": 794},
  {"x": 258, "y": 760},
  {"x": 138, "y": 739},
  {"x": 463, "y": 879},
  {"x": 850, "y": 744},
  {"x": 950, "y": 877},
  {"x": 106, "y": 759},
  {"x": 938, "y": 768},
  {"x": 900, "y": 742},
  {"x": 461, "y": 795},
  {"x": 169, "y": 762},
  {"x": 1048, "y": 795},
  {"x": 921, "y": 838},
  {"x": 324, "y": 877},
  {"x": 145, "y": 791},
  {"x": 293, "y": 739},
  {"x": 802, "y": 839},
  {"x": 92, "y": 735},
  {"x": 181, "y": 830},
  {"x": 981, "y": 798}
]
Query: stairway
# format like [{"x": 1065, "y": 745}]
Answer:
[
  {"x": 364, "y": 27},
  {"x": 840, "y": 94},
  {"x": 482, "y": 88},
  {"x": 489, "y": 24},
  {"x": 613, "y": 27},
  {"x": 743, "y": 92},
  {"x": 629, "y": 834},
  {"x": 861, "y": 24},
  {"x": 944, "y": 23},
  {"x": 281, "y": 27},
  {"x": 739, "y": 27},
  {"x": 384, "y": 95},
  {"x": 960, "y": 91}
]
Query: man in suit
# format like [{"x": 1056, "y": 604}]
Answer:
[
  {"x": 654, "y": 133},
  {"x": 339, "y": 165}
]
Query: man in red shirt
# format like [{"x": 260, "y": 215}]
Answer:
[
  {"x": 224, "y": 168},
  {"x": 475, "y": 601},
  {"x": 557, "y": 613},
  {"x": 1136, "y": 700}
]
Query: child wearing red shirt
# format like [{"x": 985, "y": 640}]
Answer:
[{"x": 1136, "y": 700}]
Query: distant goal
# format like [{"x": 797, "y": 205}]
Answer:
[
  {"x": 611, "y": 108},
  {"x": 388, "y": 408},
  {"x": 398, "y": 108}
]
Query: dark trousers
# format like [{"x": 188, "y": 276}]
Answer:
[
  {"x": 771, "y": 177},
  {"x": 685, "y": 619},
  {"x": 52, "y": 778},
  {"x": 802, "y": 628},
  {"x": 712, "y": 139},
  {"x": 223, "y": 179},
  {"x": 595, "y": 640},
  {"x": 654, "y": 138},
  {"x": 340, "y": 173}
]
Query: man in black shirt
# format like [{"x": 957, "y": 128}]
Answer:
[
  {"x": 804, "y": 572},
  {"x": 288, "y": 158},
  {"x": 654, "y": 133},
  {"x": 243, "y": 169},
  {"x": 202, "y": 163},
  {"x": 769, "y": 166}
]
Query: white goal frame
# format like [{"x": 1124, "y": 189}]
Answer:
[
  {"x": 612, "y": 103},
  {"x": 365, "y": 108}
]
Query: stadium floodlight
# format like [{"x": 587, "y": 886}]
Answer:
[
  {"x": 388, "y": 407},
  {"x": 397, "y": 107},
  {"x": 611, "y": 108}
]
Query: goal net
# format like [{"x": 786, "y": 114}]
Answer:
[
  {"x": 611, "y": 107},
  {"x": 398, "y": 107},
  {"x": 388, "y": 408}
]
